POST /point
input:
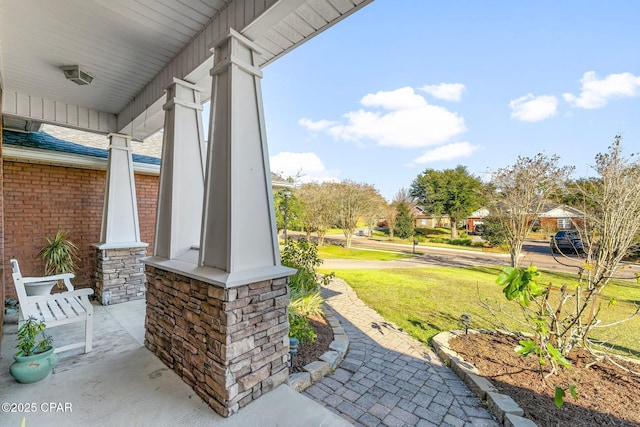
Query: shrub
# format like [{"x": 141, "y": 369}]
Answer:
[
  {"x": 306, "y": 305},
  {"x": 420, "y": 238},
  {"x": 303, "y": 256},
  {"x": 300, "y": 328}
]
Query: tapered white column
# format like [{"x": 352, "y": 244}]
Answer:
[
  {"x": 238, "y": 224},
  {"x": 119, "y": 271},
  {"x": 179, "y": 211},
  {"x": 120, "y": 225}
]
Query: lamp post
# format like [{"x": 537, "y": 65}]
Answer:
[{"x": 285, "y": 208}]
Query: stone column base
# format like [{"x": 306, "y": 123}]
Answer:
[
  {"x": 230, "y": 345},
  {"x": 120, "y": 274}
]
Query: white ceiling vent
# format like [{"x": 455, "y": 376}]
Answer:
[{"x": 77, "y": 75}]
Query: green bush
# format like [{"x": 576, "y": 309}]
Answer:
[
  {"x": 456, "y": 242},
  {"x": 300, "y": 328},
  {"x": 303, "y": 256},
  {"x": 420, "y": 238}
]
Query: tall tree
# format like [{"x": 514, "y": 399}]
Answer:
[
  {"x": 354, "y": 200},
  {"x": 318, "y": 208},
  {"x": 520, "y": 193},
  {"x": 454, "y": 192}
]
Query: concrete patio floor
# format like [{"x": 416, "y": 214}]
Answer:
[{"x": 121, "y": 383}]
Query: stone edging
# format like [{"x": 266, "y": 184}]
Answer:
[
  {"x": 329, "y": 360},
  {"x": 502, "y": 406}
]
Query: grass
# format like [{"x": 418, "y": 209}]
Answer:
[
  {"x": 339, "y": 252},
  {"x": 425, "y": 302}
]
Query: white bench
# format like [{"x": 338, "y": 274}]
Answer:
[{"x": 56, "y": 309}]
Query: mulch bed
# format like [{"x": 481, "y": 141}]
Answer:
[
  {"x": 607, "y": 395},
  {"x": 308, "y": 353}
]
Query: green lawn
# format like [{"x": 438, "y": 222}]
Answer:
[
  {"x": 339, "y": 252},
  {"x": 425, "y": 302}
]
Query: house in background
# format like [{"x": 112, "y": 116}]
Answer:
[
  {"x": 423, "y": 219},
  {"x": 554, "y": 217},
  {"x": 561, "y": 218},
  {"x": 475, "y": 221}
]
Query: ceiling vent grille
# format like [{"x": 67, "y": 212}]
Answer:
[{"x": 77, "y": 75}]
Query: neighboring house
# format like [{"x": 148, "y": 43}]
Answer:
[
  {"x": 555, "y": 217},
  {"x": 423, "y": 219},
  {"x": 561, "y": 218},
  {"x": 475, "y": 221}
]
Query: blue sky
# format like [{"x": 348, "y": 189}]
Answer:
[{"x": 405, "y": 85}]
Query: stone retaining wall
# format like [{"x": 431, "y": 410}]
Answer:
[
  {"x": 230, "y": 345},
  {"x": 120, "y": 274}
]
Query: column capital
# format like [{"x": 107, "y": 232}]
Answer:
[{"x": 235, "y": 49}]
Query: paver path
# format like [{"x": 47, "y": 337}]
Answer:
[{"x": 388, "y": 378}]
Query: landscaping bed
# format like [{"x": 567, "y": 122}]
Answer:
[
  {"x": 308, "y": 353},
  {"x": 607, "y": 395}
]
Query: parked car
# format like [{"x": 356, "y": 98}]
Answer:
[{"x": 566, "y": 241}]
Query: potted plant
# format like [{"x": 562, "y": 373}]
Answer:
[
  {"x": 35, "y": 358},
  {"x": 59, "y": 256}
]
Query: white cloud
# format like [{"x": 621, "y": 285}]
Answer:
[
  {"x": 448, "y": 152},
  {"x": 530, "y": 108},
  {"x": 400, "y": 99},
  {"x": 596, "y": 92},
  {"x": 315, "y": 126},
  {"x": 407, "y": 120},
  {"x": 446, "y": 91},
  {"x": 308, "y": 166}
]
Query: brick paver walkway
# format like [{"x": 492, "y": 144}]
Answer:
[{"x": 390, "y": 379}]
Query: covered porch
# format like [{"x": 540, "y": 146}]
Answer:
[{"x": 217, "y": 296}]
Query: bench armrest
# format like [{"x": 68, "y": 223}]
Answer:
[
  {"x": 48, "y": 278},
  {"x": 70, "y": 294}
]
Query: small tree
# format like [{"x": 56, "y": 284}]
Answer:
[
  {"x": 562, "y": 319},
  {"x": 521, "y": 191},
  {"x": 403, "y": 221}
]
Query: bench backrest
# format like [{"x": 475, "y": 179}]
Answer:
[{"x": 23, "y": 299}]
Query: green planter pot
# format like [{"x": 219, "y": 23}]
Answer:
[{"x": 29, "y": 369}]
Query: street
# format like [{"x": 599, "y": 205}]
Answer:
[{"x": 534, "y": 253}]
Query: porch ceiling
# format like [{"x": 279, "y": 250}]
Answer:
[{"x": 133, "y": 48}]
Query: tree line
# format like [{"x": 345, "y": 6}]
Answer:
[{"x": 515, "y": 196}]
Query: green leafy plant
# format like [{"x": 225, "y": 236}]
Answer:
[
  {"x": 306, "y": 304},
  {"x": 521, "y": 286},
  {"x": 60, "y": 254},
  {"x": 28, "y": 342},
  {"x": 303, "y": 256},
  {"x": 300, "y": 328},
  {"x": 560, "y": 393}
]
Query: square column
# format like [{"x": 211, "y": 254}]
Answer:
[
  {"x": 217, "y": 313},
  {"x": 119, "y": 269}
]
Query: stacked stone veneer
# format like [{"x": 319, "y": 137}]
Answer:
[
  {"x": 120, "y": 272},
  {"x": 230, "y": 345}
]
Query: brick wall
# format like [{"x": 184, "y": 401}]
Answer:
[{"x": 41, "y": 199}]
